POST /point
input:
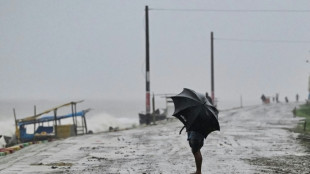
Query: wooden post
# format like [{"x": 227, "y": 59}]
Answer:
[
  {"x": 85, "y": 124},
  {"x": 73, "y": 108},
  {"x": 75, "y": 118},
  {"x": 17, "y": 133},
  {"x": 153, "y": 104},
  {"x": 72, "y": 113},
  {"x": 15, "y": 117},
  {"x": 35, "y": 114},
  {"x": 55, "y": 121}
]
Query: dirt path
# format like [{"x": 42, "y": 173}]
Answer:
[{"x": 252, "y": 140}]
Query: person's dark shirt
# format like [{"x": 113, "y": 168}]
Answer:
[{"x": 198, "y": 126}]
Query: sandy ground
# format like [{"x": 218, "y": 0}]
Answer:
[{"x": 254, "y": 139}]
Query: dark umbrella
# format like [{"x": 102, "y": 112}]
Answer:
[{"x": 195, "y": 112}]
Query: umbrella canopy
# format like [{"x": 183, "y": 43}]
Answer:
[{"x": 195, "y": 112}]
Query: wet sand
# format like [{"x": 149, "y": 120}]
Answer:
[{"x": 254, "y": 139}]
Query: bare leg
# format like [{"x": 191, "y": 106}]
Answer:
[{"x": 198, "y": 161}]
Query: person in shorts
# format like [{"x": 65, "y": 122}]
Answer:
[{"x": 196, "y": 140}]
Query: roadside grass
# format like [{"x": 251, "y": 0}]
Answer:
[{"x": 303, "y": 111}]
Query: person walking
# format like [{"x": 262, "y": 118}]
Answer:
[
  {"x": 297, "y": 97},
  {"x": 277, "y": 97},
  {"x": 199, "y": 117},
  {"x": 263, "y": 98},
  {"x": 196, "y": 140}
]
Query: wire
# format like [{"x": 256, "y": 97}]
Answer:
[
  {"x": 230, "y": 11},
  {"x": 263, "y": 41}
]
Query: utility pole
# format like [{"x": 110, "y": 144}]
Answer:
[
  {"x": 212, "y": 70},
  {"x": 147, "y": 56}
]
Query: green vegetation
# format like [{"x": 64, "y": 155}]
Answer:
[{"x": 303, "y": 111}]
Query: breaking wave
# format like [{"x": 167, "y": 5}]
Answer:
[
  {"x": 7, "y": 127},
  {"x": 103, "y": 121},
  {"x": 96, "y": 123}
]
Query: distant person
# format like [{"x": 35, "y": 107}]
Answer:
[
  {"x": 263, "y": 98},
  {"x": 295, "y": 111},
  {"x": 297, "y": 97},
  {"x": 286, "y": 100},
  {"x": 277, "y": 97},
  {"x": 209, "y": 98}
]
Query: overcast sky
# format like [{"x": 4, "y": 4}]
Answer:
[{"x": 95, "y": 49}]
